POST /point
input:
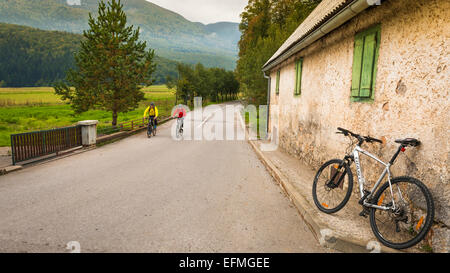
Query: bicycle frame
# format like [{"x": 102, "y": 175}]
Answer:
[
  {"x": 152, "y": 122},
  {"x": 180, "y": 121},
  {"x": 364, "y": 197}
]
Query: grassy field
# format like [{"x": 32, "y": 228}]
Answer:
[
  {"x": 31, "y": 109},
  {"x": 33, "y": 96},
  {"x": 28, "y": 96}
]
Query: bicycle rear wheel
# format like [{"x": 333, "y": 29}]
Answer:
[
  {"x": 332, "y": 186},
  {"x": 413, "y": 218}
]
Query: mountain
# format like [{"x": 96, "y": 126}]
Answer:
[
  {"x": 226, "y": 31},
  {"x": 34, "y": 57},
  {"x": 170, "y": 34}
]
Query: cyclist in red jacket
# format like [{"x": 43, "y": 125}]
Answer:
[{"x": 180, "y": 113}]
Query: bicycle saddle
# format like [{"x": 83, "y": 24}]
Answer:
[{"x": 409, "y": 142}]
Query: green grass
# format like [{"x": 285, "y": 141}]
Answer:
[
  {"x": 28, "y": 96},
  {"x": 157, "y": 88},
  {"x": 33, "y": 96},
  {"x": 426, "y": 248},
  {"x": 34, "y": 109}
]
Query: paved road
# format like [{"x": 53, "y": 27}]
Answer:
[{"x": 157, "y": 195}]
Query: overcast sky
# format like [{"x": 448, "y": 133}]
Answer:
[{"x": 205, "y": 11}]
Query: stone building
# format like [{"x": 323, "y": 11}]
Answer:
[{"x": 378, "y": 68}]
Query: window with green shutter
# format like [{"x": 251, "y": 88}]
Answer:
[
  {"x": 367, "y": 45},
  {"x": 277, "y": 88},
  {"x": 298, "y": 77}
]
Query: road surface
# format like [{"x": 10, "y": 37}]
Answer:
[{"x": 151, "y": 195}]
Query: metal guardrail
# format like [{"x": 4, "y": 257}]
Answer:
[
  {"x": 130, "y": 125},
  {"x": 32, "y": 145}
]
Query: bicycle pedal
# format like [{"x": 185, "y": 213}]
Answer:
[
  {"x": 364, "y": 213},
  {"x": 366, "y": 193}
]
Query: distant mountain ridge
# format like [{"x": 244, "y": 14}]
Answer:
[{"x": 170, "y": 34}]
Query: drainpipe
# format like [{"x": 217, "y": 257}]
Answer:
[{"x": 268, "y": 101}]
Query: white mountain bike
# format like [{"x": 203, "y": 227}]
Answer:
[{"x": 401, "y": 211}]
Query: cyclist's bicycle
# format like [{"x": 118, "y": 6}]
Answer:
[
  {"x": 180, "y": 127},
  {"x": 151, "y": 127},
  {"x": 401, "y": 211}
]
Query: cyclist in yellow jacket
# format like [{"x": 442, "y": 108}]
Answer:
[{"x": 152, "y": 112}]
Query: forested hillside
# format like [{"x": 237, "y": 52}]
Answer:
[
  {"x": 170, "y": 34},
  {"x": 34, "y": 57},
  {"x": 265, "y": 25}
]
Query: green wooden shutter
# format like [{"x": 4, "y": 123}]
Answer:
[
  {"x": 277, "y": 88},
  {"x": 298, "y": 76},
  {"x": 357, "y": 65},
  {"x": 370, "y": 42},
  {"x": 367, "y": 44}
]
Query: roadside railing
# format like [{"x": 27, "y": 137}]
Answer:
[
  {"x": 130, "y": 125},
  {"x": 27, "y": 146},
  {"x": 32, "y": 145}
]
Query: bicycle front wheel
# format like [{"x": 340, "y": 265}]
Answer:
[
  {"x": 412, "y": 218},
  {"x": 178, "y": 131},
  {"x": 332, "y": 186},
  {"x": 149, "y": 131}
]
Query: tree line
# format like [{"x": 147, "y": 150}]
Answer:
[
  {"x": 212, "y": 84},
  {"x": 171, "y": 35},
  {"x": 33, "y": 57},
  {"x": 265, "y": 25}
]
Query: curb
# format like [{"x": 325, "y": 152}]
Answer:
[
  {"x": 9, "y": 169},
  {"x": 336, "y": 241}
]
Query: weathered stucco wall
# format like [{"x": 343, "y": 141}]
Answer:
[{"x": 411, "y": 95}]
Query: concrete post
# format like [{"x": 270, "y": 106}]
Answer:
[{"x": 88, "y": 132}]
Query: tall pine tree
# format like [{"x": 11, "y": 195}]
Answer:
[{"x": 112, "y": 65}]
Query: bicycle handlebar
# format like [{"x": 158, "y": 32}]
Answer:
[
  {"x": 346, "y": 132},
  {"x": 371, "y": 139},
  {"x": 361, "y": 139}
]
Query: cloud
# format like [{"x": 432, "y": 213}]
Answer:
[
  {"x": 212, "y": 35},
  {"x": 205, "y": 11},
  {"x": 74, "y": 2}
]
